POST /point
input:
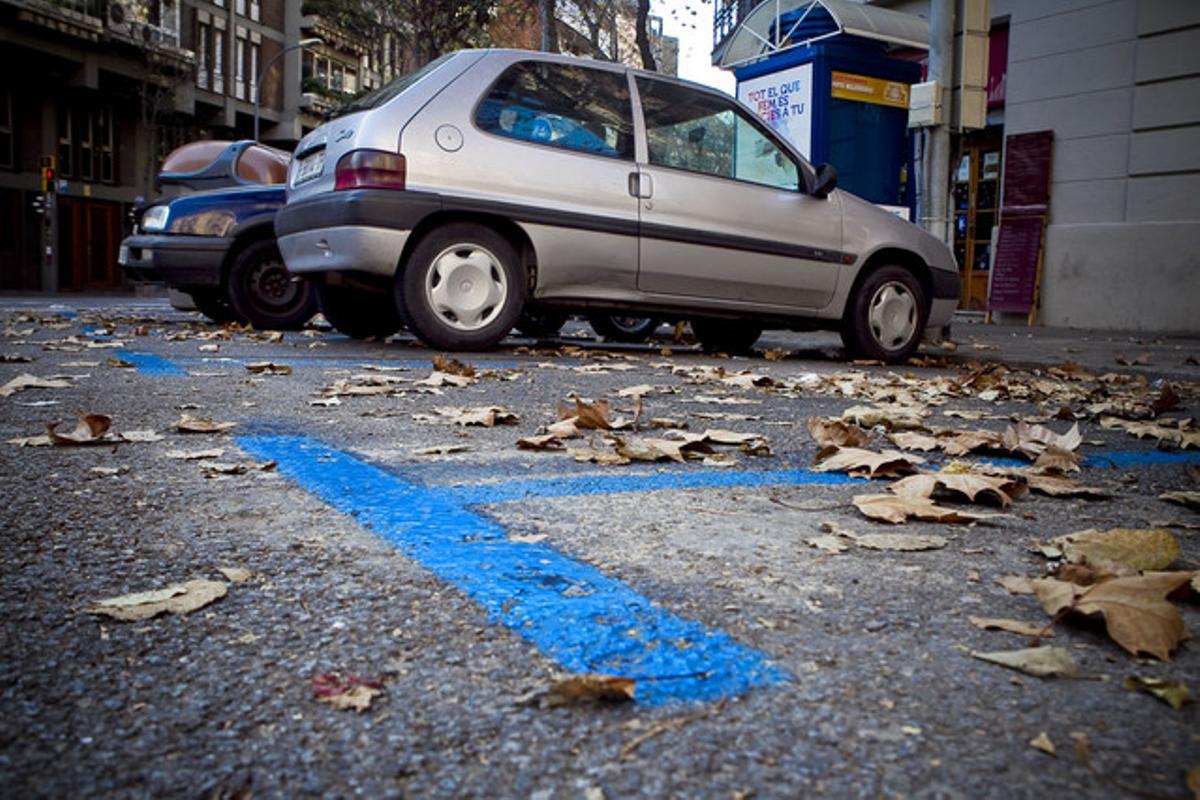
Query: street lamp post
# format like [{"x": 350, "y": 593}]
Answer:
[{"x": 267, "y": 66}]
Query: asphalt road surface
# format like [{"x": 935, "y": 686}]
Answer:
[{"x": 362, "y": 535}]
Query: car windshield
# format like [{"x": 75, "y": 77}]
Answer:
[{"x": 377, "y": 97}]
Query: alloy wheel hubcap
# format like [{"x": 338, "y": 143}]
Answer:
[
  {"x": 893, "y": 315},
  {"x": 273, "y": 286},
  {"x": 466, "y": 287}
]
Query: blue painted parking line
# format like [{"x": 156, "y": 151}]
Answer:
[
  {"x": 1120, "y": 459},
  {"x": 572, "y": 612},
  {"x": 154, "y": 366}
]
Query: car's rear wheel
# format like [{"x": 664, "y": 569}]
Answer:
[
  {"x": 263, "y": 291},
  {"x": 213, "y": 304},
  {"x": 885, "y": 316},
  {"x": 541, "y": 323},
  {"x": 726, "y": 335},
  {"x": 623, "y": 328},
  {"x": 463, "y": 287},
  {"x": 360, "y": 313}
]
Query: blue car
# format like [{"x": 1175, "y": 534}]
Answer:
[{"x": 217, "y": 244}]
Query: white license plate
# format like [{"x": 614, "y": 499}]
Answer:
[
  {"x": 310, "y": 167},
  {"x": 123, "y": 254}
]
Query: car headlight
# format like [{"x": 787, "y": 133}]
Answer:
[{"x": 155, "y": 219}]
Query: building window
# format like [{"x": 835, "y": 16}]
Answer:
[
  {"x": 254, "y": 52},
  {"x": 239, "y": 67},
  {"x": 66, "y": 142},
  {"x": 203, "y": 62},
  {"x": 218, "y": 62},
  {"x": 255, "y": 11},
  {"x": 6, "y": 129},
  {"x": 328, "y": 77},
  {"x": 86, "y": 138},
  {"x": 239, "y": 7},
  {"x": 105, "y": 169}
]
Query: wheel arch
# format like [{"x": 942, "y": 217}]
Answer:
[
  {"x": 894, "y": 256},
  {"x": 504, "y": 226},
  {"x": 243, "y": 238}
]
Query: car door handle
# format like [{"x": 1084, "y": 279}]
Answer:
[{"x": 640, "y": 185}]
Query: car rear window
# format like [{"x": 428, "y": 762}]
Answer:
[
  {"x": 378, "y": 97},
  {"x": 561, "y": 105}
]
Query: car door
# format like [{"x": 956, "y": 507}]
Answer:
[{"x": 724, "y": 214}]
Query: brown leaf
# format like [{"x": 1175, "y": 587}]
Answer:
[
  {"x": 912, "y": 440},
  {"x": 1041, "y": 662},
  {"x": 897, "y": 509},
  {"x": 892, "y": 416},
  {"x": 1193, "y": 776},
  {"x": 1083, "y": 747},
  {"x": 236, "y": 574},
  {"x": 196, "y": 455},
  {"x": 485, "y": 417},
  {"x": 588, "y": 416},
  {"x": 353, "y": 693},
  {"x": 189, "y": 424},
  {"x": 1032, "y": 440},
  {"x": 90, "y": 429},
  {"x": 1149, "y": 549},
  {"x": 182, "y": 598},
  {"x": 1136, "y": 615},
  {"x": 545, "y": 442},
  {"x": 829, "y": 543},
  {"x": 26, "y": 381},
  {"x": 211, "y": 469},
  {"x": 1167, "y": 400},
  {"x": 1141, "y": 359},
  {"x": 1173, "y": 693},
  {"x": 826, "y": 432},
  {"x": 1011, "y": 626},
  {"x": 438, "y": 379},
  {"x": 1189, "y": 499},
  {"x": 903, "y": 542},
  {"x": 997, "y": 491},
  {"x": 1056, "y": 459},
  {"x": 452, "y": 366},
  {"x": 268, "y": 368},
  {"x": 605, "y": 458},
  {"x": 1056, "y": 486},
  {"x": 1042, "y": 742},
  {"x": 590, "y": 688},
  {"x": 856, "y": 461},
  {"x": 1016, "y": 584}
]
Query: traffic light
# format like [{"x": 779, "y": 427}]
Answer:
[{"x": 48, "y": 173}]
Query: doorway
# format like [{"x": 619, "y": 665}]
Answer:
[
  {"x": 89, "y": 233},
  {"x": 976, "y": 207}
]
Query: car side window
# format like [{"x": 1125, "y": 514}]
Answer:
[
  {"x": 561, "y": 105},
  {"x": 700, "y": 132}
]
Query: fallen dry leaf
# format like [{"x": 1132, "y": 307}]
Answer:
[
  {"x": 1056, "y": 459},
  {"x": 913, "y": 440},
  {"x": 268, "y": 368},
  {"x": 452, "y": 366},
  {"x": 588, "y": 416},
  {"x": 547, "y": 441},
  {"x": 866, "y": 463},
  {"x": 1136, "y": 614},
  {"x": 1193, "y": 775},
  {"x": 236, "y": 574},
  {"x": 212, "y": 469},
  {"x": 829, "y": 543},
  {"x": 182, "y": 598},
  {"x": 353, "y": 693},
  {"x": 835, "y": 432},
  {"x": 196, "y": 455},
  {"x": 26, "y": 381},
  {"x": 1042, "y": 742},
  {"x": 189, "y": 424},
  {"x": 1011, "y": 626},
  {"x": 1033, "y": 440},
  {"x": 90, "y": 429},
  {"x": 896, "y": 509},
  {"x": 1083, "y": 747},
  {"x": 1016, "y": 584},
  {"x": 486, "y": 417},
  {"x": 590, "y": 688},
  {"x": 441, "y": 449},
  {"x": 1188, "y": 499},
  {"x": 140, "y": 436},
  {"x": 1041, "y": 662},
  {"x": 1173, "y": 693},
  {"x": 605, "y": 458},
  {"x": 996, "y": 490},
  {"x": 891, "y": 416},
  {"x": 900, "y": 541},
  {"x": 1149, "y": 549}
]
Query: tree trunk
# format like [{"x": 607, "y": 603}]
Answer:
[
  {"x": 643, "y": 36},
  {"x": 546, "y": 16}
]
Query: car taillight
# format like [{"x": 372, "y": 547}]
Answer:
[{"x": 370, "y": 169}]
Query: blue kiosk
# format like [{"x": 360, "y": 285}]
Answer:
[{"x": 821, "y": 73}]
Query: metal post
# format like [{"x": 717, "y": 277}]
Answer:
[
  {"x": 270, "y": 63},
  {"x": 937, "y": 154}
]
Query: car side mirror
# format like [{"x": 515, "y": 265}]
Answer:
[{"x": 826, "y": 181}]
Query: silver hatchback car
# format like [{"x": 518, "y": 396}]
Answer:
[{"x": 493, "y": 182}]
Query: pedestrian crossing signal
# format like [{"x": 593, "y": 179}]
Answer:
[{"x": 48, "y": 176}]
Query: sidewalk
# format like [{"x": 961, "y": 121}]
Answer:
[{"x": 1171, "y": 357}]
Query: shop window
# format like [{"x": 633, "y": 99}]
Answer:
[{"x": 7, "y": 158}]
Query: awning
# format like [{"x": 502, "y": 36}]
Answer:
[{"x": 778, "y": 25}]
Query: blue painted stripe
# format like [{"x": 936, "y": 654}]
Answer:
[
  {"x": 362, "y": 363},
  {"x": 572, "y": 612},
  {"x": 152, "y": 365},
  {"x": 528, "y": 488},
  {"x": 1120, "y": 459}
]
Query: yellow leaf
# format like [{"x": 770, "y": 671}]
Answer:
[
  {"x": 1173, "y": 693},
  {"x": 591, "y": 687},
  {"x": 1136, "y": 615},
  {"x": 177, "y": 599},
  {"x": 1143, "y": 549},
  {"x": 1042, "y": 742},
  {"x": 1041, "y": 662}
]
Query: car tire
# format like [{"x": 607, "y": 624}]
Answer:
[
  {"x": 621, "y": 328},
  {"x": 359, "y": 313},
  {"x": 539, "y": 324},
  {"x": 213, "y": 304},
  {"x": 726, "y": 335},
  {"x": 462, "y": 288},
  {"x": 263, "y": 291},
  {"x": 885, "y": 316}
]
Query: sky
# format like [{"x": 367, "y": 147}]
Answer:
[{"x": 691, "y": 22}]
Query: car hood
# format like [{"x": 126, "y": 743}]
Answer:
[{"x": 868, "y": 228}]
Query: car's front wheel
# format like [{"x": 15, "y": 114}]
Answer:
[
  {"x": 359, "y": 313},
  {"x": 263, "y": 291},
  {"x": 463, "y": 287},
  {"x": 885, "y": 316},
  {"x": 621, "y": 328},
  {"x": 726, "y": 335}
]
